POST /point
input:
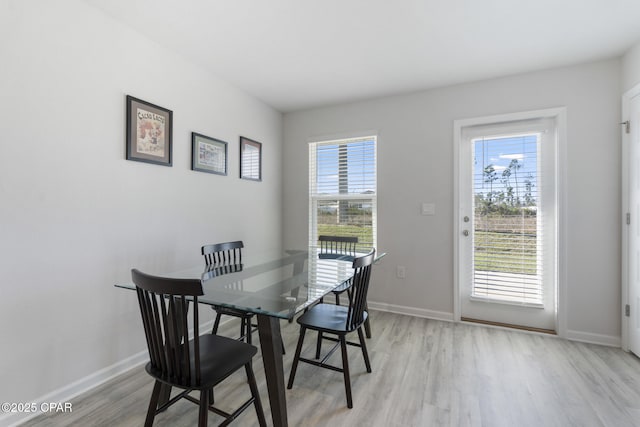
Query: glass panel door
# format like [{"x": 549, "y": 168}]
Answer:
[{"x": 507, "y": 246}]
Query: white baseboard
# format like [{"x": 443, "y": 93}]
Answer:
[
  {"x": 68, "y": 392},
  {"x": 411, "y": 311},
  {"x": 587, "y": 337}
]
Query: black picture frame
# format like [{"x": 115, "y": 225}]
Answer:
[
  {"x": 149, "y": 132},
  {"x": 250, "y": 159},
  {"x": 208, "y": 154}
]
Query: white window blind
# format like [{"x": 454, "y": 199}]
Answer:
[
  {"x": 342, "y": 190},
  {"x": 508, "y": 231}
]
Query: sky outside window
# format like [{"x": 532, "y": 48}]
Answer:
[
  {"x": 500, "y": 163},
  {"x": 360, "y": 167}
]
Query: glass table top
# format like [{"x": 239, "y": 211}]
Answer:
[{"x": 276, "y": 284}]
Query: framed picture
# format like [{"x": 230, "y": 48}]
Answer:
[
  {"x": 208, "y": 154},
  {"x": 149, "y": 132},
  {"x": 250, "y": 159}
]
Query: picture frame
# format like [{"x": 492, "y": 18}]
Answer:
[
  {"x": 208, "y": 154},
  {"x": 149, "y": 132},
  {"x": 250, "y": 159}
]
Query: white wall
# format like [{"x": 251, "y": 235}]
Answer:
[
  {"x": 75, "y": 216},
  {"x": 415, "y": 161},
  {"x": 631, "y": 68}
]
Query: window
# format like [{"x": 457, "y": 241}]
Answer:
[
  {"x": 508, "y": 255},
  {"x": 342, "y": 190}
]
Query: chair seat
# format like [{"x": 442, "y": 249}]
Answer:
[
  {"x": 219, "y": 357},
  {"x": 328, "y": 318},
  {"x": 338, "y": 256}
]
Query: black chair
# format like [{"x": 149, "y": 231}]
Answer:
[
  {"x": 334, "y": 247},
  {"x": 198, "y": 363},
  {"x": 223, "y": 256},
  {"x": 340, "y": 321}
]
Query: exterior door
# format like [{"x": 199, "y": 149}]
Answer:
[{"x": 507, "y": 221}]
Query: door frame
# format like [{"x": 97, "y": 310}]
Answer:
[
  {"x": 626, "y": 100},
  {"x": 560, "y": 116}
]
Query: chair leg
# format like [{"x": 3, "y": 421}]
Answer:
[
  {"x": 367, "y": 325},
  {"x": 367, "y": 328},
  {"x": 165, "y": 395},
  {"x": 204, "y": 408},
  {"x": 337, "y": 299},
  {"x": 256, "y": 395},
  {"x": 216, "y": 323},
  {"x": 296, "y": 356},
  {"x": 247, "y": 330},
  {"x": 365, "y": 353},
  {"x": 153, "y": 404},
  {"x": 318, "y": 345},
  {"x": 345, "y": 370}
]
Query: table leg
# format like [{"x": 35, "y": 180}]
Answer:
[{"x": 271, "y": 345}]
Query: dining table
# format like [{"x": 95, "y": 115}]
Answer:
[{"x": 274, "y": 285}]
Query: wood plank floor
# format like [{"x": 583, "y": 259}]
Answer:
[{"x": 425, "y": 373}]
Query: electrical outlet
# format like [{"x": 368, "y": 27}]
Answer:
[{"x": 401, "y": 272}]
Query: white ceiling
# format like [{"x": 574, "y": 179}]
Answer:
[{"x": 298, "y": 54}]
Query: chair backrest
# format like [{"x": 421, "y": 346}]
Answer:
[
  {"x": 221, "y": 254},
  {"x": 359, "y": 289},
  {"x": 345, "y": 245},
  {"x": 164, "y": 307}
]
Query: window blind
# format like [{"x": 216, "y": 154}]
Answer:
[
  {"x": 342, "y": 190},
  {"x": 508, "y": 254}
]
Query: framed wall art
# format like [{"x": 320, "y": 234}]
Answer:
[
  {"x": 250, "y": 159},
  {"x": 149, "y": 132},
  {"x": 208, "y": 154}
]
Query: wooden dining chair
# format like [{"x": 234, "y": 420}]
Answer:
[
  {"x": 336, "y": 246},
  {"x": 340, "y": 321},
  {"x": 226, "y": 258},
  {"x": 188, "y": 363}
]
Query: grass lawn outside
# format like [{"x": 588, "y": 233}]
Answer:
[
  {"x": 363, "y": 233},
  {"x": 505, "y": 252}
]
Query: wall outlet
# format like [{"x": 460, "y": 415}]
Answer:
[{"x": 401, "y": 272}]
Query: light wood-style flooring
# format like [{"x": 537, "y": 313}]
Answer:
[{"x": 425, "y": 373}]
